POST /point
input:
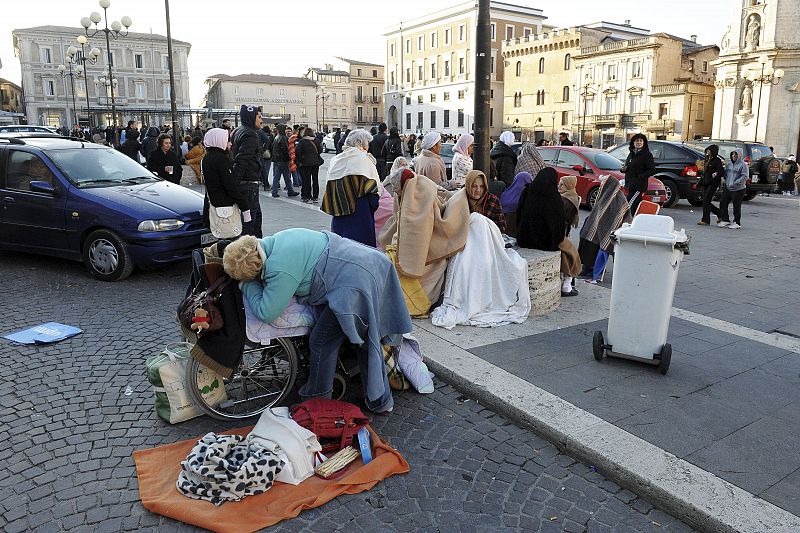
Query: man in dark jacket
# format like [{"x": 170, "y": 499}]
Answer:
[
  {"x": 392, "y": 148},
  {"x": 376, "y": 149},
  {"x": 266, "y": 139},
  {"x": 150, "y": 142},
  {"x": 280, "y": 163},
  {"x": 713, "y": 170},
  {"x": 247, "y": 155},
  {"x": 336, "y": 138},
  {"x": 638, "y": 168},
  {"x": 563, "y": 139}
]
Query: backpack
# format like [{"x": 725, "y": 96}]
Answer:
[
  {"x": 334, "y": 422},
  {"x": 394, "y": 150}
]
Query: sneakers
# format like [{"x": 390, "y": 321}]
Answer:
[
  {"x": 722, "y": 224},
  {"x": 293, "y": 193},
  {"x": 572, "y": 292},
  {"x": 735, "y": 226},
  {"x": 702, "y": 223},
  {"x": 275, "y": 195}
]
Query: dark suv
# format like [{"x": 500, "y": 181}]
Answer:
[
  {"x": 676, "y": 166},
  {"x": 764, "y": 166}
]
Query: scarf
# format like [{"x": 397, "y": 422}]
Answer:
[
  {"x": 529, "y": 160},
  {"x": 542, "y": 219},
  {"x": 463, "y": 143},
  {"x": 567, "y": 189},
  {"x": 353, "y": 162},
  {"x": 430, "y": 140},
  {"x": 608, "y": 214},
  {"x": 507, "y": 138},
  {"x": 216, "y": 138},
  {"x": 472, "y": 176},
  {"x": 510, "y": 197}
]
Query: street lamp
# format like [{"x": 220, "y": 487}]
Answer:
[
  {"x": 587, "y": 84},
  {"x": 82, "y": 59},
  {"x": 768, "y": 76},
  {"x": 321, "y": 94},
  {"x": 553, "y": 128},
  {"x": 72, "y": 70},
  {"x": 108, "y": 85},
  {"x": 116, "y": 32}
]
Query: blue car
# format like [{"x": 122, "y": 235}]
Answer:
[{"x": 83, "y": 201}]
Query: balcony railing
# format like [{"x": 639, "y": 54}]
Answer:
[
  {"x": 360, "y": 99},
  {"x": 618, "y": 45},
  {"x": 636, "y": 118},
  {"x": 608, "y": 119},
  {"x": 670, "y": 88},
  {"x": 375, "y": 99}
]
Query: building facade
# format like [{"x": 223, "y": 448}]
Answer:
[
  {"x": 366, "y": 86},
  {"x": 283, "y": 99},
  {"x": 335, "y": 96},
  {"x": 12, "y": 110},
  {"x": 659, "y": 85},
  {"x": 140, "y": 65},
  {"x": 430, "y": 66},
  {"x": 753, "y": 103}
]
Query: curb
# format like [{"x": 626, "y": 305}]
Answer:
[{"x": 699, "y": 498}]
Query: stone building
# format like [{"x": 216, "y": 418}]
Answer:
[
  {"x": 140, "y": 64},
  {"x": 12, "y": 110},
  {"x": 282, "y": 98},
  {"x": 430, "y": 66},
  {"x": 366, "y": 85},
  {"x": 336, "y": 94},
  {"x": 754, "y": 103}
]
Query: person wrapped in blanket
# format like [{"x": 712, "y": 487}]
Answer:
[{"x": 354, "y": 286}]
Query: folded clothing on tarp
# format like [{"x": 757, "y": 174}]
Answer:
[
  {"x": 295, "y": 321},
  {"x": 158, "y": 468}
]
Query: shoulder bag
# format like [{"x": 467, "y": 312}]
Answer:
[{"x": 225, "y": 222}]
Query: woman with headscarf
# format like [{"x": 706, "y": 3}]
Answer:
[
  {"x": 462, "y": 158},
  {"x": 529, "y": 160},
  {"x": 481, "y": 200},
  {"x": 422, "y": 234},
  {"x": 222, "y": 188},
  {"x": 509, "y": 201},
  {"x": 607, "y": 215},
  {"x": 429, "y": 163},
  {"x": 353, "y": 190},
  {"x": 386, "y": 203},
  {"x": 542, "y": 224},
  {"x": 572, "y": 202},
  {"x": 504, "y": 157}
]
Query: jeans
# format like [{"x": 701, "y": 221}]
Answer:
[
  {"x": 324, "y": 342},
  {"x": 278, "y": 170},
  {"x": 708, "y": 205},
  {"x": 310, "y": 182},
  {"x": 296, "y": 181},
  {"x": 265, "y": 164},
  {"x": 380, "y": 165},
  {"x": 727, "y": 197},
  {"x": 250, "y": 190}
]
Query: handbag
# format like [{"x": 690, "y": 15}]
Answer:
[
  {"x": 166, "y": 372},
  {"x": 225, "y": 222},
  {"x": 199, "y": 311},
  {"x": 334, "y": 422}
]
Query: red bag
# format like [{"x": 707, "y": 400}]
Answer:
[{"x": 334, "y": 422}]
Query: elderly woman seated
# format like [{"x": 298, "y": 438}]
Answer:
[
  {"x": 353, "y": 190},
  {"x": 481, "y": 200},
  {"x": 355, "y": 287},
  {"x": 424, "y": 231},
  {"x": 509, "y": 200}
]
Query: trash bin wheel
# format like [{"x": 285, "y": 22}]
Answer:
[
  {"x": 597, "y": 345},
  {"x": 666, "y": 356}
]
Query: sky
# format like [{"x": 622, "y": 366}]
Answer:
[{"x": 273, "y": 37}]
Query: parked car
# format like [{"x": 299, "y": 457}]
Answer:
[
  {"x": 87, "y": 202},
  {"x": 446, "y": 153},
  {"x": 328, "y": 144},
  {"x": 764, "y": 166},
  {"x": 589, "y": 164},
  {"x": 27, "y": 128},
  {"x": 677, "y": 167}
]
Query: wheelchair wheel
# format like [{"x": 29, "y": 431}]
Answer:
[{"x": 264, "y": 378}]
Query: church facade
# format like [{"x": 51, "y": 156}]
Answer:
[{"x": 757, "y": 95}]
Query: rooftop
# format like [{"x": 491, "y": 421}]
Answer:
[
  {"x": 79, "y": 31},
  {"x": 354, "y": 62},
  {"x": 497, "y": 10},
  {"x": 328, "y": 72},
  {"x": 4, "y": 81},
  {"x": 263, "y": 78}
]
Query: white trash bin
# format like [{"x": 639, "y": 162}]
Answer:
[{"x": 647, "y": 256}]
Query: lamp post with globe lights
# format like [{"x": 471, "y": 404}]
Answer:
[
  {"x": 114, "y": 31},
  {"x": 768, "y": 76},
  {"x": 82, "y": 59},
  {"x": 71, "y": 70},
  {"x": 108, "y": 85}
]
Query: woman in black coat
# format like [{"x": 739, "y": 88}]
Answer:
[
  {"x": 504, "y": 158},
  {"x": 164, "y": 162},
  {"x": 308, "y": 163},
  {"x": 222, "y": 189},
  {"x": 638, "y": 168},
  {"x": 713, "y": 172}
]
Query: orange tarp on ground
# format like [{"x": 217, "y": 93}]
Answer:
[{"x": 158, "y": 468}]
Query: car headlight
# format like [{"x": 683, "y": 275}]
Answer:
[{"x": 167, "y": 224}]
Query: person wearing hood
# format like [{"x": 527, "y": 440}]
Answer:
[
  {"x": 638, "y": 167},
  {"x": 376, "y": 146},
  {"x": 504, "y": 158},
  {"x": 529, "y": 160},
  {"x": 247, "y": 162},
  {"x": 353, "y": 190},
  {"x": 164, "y": 160},
  {"x": 308, "y": 163},
  {"x": 572, "y": 202},
  {"x": 609, "y": 212},
  {"x": 713, "y": 170},
  {"x": 788, "y": 171},
  {"x": 733, "y": 189},
  {"x": 131, "y": 147},
  {"x": 392, "y": 149},
  {"x": 462, "y": 158},
  {"x": 429, "y": 163},
  {"x": 222, "y": 189},
  {"x": 150, "y": 142},
  {"x": 509, "y": 201}
]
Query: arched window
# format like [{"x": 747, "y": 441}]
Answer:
[
  {"x": 567, "y": 62},
  {"x": 565, "y": 95},
  {"x": 540, "y": 97},
  {"x": 541, "y": 65},
  {"x": 517, "y": 99},
  {"x": 519, "y": 68}
]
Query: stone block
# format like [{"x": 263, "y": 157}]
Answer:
[{"x": 544, "y": 279}]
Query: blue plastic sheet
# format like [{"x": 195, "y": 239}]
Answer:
[{"x": 44, "y": 333}]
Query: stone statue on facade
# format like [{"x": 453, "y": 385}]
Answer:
[
  {"x": 753, "y": 32},
  {"x": 747, "y": 99}
]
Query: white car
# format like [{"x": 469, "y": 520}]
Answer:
[
  {"x": 27, "y": 128},
  {"x": 328, "y": 144}
]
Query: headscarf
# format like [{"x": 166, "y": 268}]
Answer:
[
  {"x": 541, "y": 218},
  {"x": 471, "y": 177},
  {"x": 510, "y": 197},
  {"x": 216, "y": 138},
  {"x": 609, "y": 212},
  {"x": 529, "y": 160},
  {"x": 430, "y": 140},
  {"x": 392, "y": 181},
  {"x": 566, "y": 186},
  {"x": 507, "y": 138},
  {"x": 791, "y": 157},
  {"x": 463, "y": 143},
  {"x": 353, "y": 162}
]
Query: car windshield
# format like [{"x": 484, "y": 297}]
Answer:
[
  {"x": 759, "y": 151},
  {"x": 98, "y": 166},
  {"x": 447, "y": 150},
  {"x": 604, "y": 161}
]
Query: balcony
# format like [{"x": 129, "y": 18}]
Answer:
[
  {"x": 638, "y": 119},
  {"x": 661, "y": 124},
  {"x": 375, "y": 99},
  {"x": 608, "y": 120},
  {"x": 360, "y": 99},
  {"x": 618, "y": 45},
  {"x": 669, "y": 88}
]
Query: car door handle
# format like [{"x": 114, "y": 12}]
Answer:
[{"x": 8, "y": 200}]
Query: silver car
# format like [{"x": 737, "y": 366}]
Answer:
[{"x": 328, "y": 144}]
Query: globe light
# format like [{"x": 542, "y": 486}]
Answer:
[
  {"x": 71, "y": 51},
  {"x": 86, "y": 22},
  {"x": 116, "y": 26},
  {"x": 763, "y": 59},
  {"x": 105, "y": 3},
  {"x": 126, "y": 21},
  {"x": 95, "y": 52},
  {"x": 95, "y": 17},
  {"x": 82, "y": 38},
  {"x": 62, "y": 68},
  {"x": 79, "y": 69},
  {"x": 779, "y": 73}
]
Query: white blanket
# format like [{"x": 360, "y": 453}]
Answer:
[
  {"x": 295, "y": 321},
  {"x": 486, "y": 284}
]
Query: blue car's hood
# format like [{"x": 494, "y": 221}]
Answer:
[{"x": 154, "y": 200}]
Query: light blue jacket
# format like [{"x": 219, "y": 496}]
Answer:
[{"x": 736, "y": 173}]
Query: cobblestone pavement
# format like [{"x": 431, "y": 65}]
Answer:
[{"x": 70, "y": 429}]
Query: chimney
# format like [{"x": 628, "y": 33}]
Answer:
[
  {"x": 627, "y": 22},
  {"x": 694, "y": 38}
]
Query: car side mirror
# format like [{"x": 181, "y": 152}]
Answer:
[
  {"x": 42, "y": 186},
  {"x": 579, "y": 168}
]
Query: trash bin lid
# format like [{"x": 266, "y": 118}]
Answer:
[{"x": 656, "y": 229}]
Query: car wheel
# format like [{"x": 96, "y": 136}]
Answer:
[
  {"x": 696, "y": 203},
  {"x": 106, "y": 257},
  {"x": 749, "y": 195},
  {"x": 591, "y": 198},
  {"x": 672, "y": 192}
]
